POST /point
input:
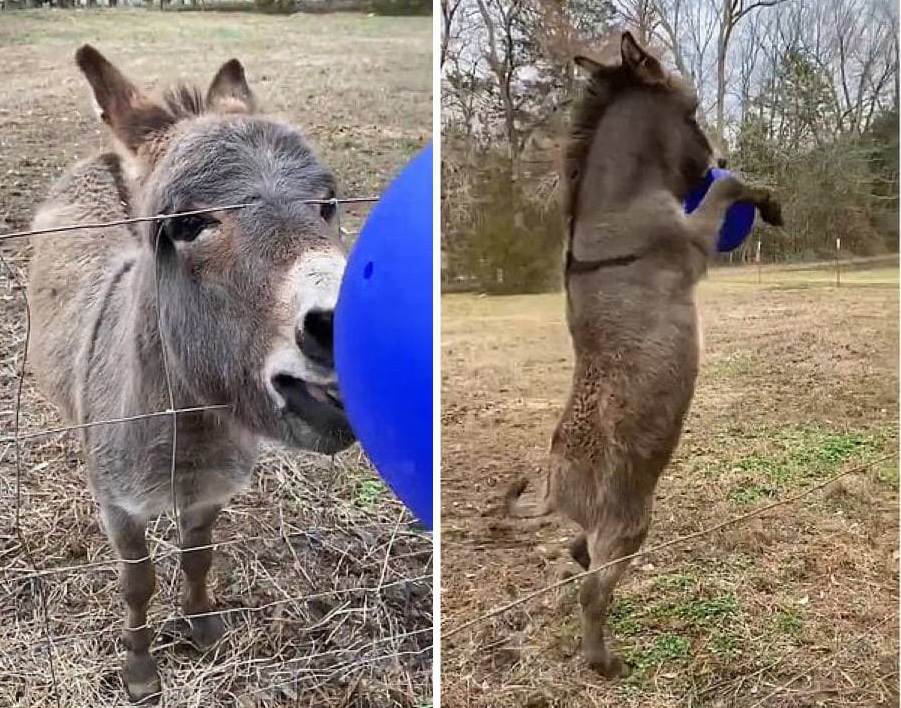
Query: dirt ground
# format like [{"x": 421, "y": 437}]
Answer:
[
  {"x": 799, "y": 381},
  {"x": 326, "y": 578}
]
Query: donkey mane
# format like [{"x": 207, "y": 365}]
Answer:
[
  {"x": 184, "y": 101},
  {"x": 177, "y": 103}
]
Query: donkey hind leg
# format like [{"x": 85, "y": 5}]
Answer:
[
  {"x": 612, "y": 539},
  {"x": 142, "y": 681},
  {"x": 519, "y": 505},
  {"x": 578, "y": 549},
  {"x": 197, "y": 531}
]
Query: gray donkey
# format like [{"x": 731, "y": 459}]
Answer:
[
  {"x": 237, "y": 306},
  {"x": 633, "y": 258}
]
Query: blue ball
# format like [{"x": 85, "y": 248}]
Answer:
[
  {"x": 739, "y": 217},
  {"x": 383, "y": 336}
]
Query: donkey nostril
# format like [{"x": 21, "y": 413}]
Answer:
[
  {"x": 318, "y": 324},
  {"x": 316, "y": 339}
]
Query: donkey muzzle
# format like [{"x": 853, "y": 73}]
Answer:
[{"x": 319, "y": 407}]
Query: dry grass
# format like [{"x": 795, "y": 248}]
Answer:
[
  {"x": 325, "y": 579},
  {"x": 800, "y": 381}
]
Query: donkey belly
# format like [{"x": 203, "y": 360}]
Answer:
[
  {"x": 622, "y": 423},
  {"x": 205, "y": 488},
  {"x": 700, "y": 329},
  {"x": 146, "y": 494},
  {"x": 133, "y": 469}
]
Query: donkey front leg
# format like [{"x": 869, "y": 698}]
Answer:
[
  {"x": 138, "y": 579},
  {"x": 196, "y": 525},
  {"x": 611, "y": 539},
  {"x": 705, "y": 221}
]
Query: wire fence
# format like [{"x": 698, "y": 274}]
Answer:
[
  {"x": 781, "y": 688},
  {"x": 36, "y": 578},
  {"x": 759, "y": 511},
  {"x": 838, "y": 272},
  {"x": 512, "y": 642},
  {"x": 309, "y": 668},
  {"x": 844, "y": 271},
  {"x": 452, "y": 629}
]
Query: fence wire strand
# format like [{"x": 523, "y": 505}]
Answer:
[
  {"x": 37, "y": 577},
  {"x": 47, "y": 432},
  {"x": 83, "y": 567},
  {"x": 833, "y": 655},
  {"x": 173, "y": 215},
  {"x": 163, "y": 620},
  {"x": 38, "y": 584},
  {"x": 501, "y": 609}
]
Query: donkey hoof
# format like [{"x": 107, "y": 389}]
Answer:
[
  {"x": 206, "y": 631},
  {"x": 611, "y": 667},
  {"x": 142, "y": 681},
  {"x": 578, "y": 549},
  {"x": 771, "y": 212}
]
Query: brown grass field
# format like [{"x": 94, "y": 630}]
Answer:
[
  {"x": 799, "y": 381},
  {"x": 326, "y": 579}
]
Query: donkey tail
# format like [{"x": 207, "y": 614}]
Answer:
[{"x": 520, "y": 507}]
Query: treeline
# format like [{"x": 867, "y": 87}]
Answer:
[
  {"x": 801, "y": 96},
  {"x": 378, "y": 7}
]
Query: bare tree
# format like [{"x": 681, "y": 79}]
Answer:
[
  {"x": 732, "y": 12},
  {"x": 806, "y": 91},
  {"x": 751, "y": 46},
  {"x": 670, "y": 16},
  {"x": 499, "y": 22},
  {"x": 449, "y": 9},
  {"x": 642, "y": 17}
]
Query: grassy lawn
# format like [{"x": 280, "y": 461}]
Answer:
[{"x": 799, "y": 381}]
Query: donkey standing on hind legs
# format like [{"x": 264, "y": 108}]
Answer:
[
  {"x": 236, "y": 304},
  {"x": 633, "y": 259}
]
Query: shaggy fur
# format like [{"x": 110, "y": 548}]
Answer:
[
  {"x": 633, "y": 259},
  {"x": 211, "y": 297}
]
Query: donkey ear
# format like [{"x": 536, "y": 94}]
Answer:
[
  {"x": 113, "y": 92},
  {"x": 587, "y": 63},
  {"x": 229, "y": 92},
  {"x": 638, "y": 61},
  {"x": 131, "y": 115}
]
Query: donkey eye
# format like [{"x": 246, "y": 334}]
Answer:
[
  {"x": 691, "y": 115},
  {"x": 188, "y": 228},
  {"x": 327, "y": 210}
]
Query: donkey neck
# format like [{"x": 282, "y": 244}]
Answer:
[
  {"x": 125, "y": 375},
  {"x": 604, "y": 225},
  {"x": 143, "y": 359},
  {"x": 615, "y": 176}
]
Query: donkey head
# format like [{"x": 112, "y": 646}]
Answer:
[
  {"x": 246, "y": 296},
  {"x": 635, "y": 126}
]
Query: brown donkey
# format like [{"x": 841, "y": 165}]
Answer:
[
  {"x": 633, "y": 258},
  {"x": 237, "y": 305}
]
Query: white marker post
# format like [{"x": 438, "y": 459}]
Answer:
[
  {"x": 759, "y": 276},
  {"x": 838, "y": 266}
]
